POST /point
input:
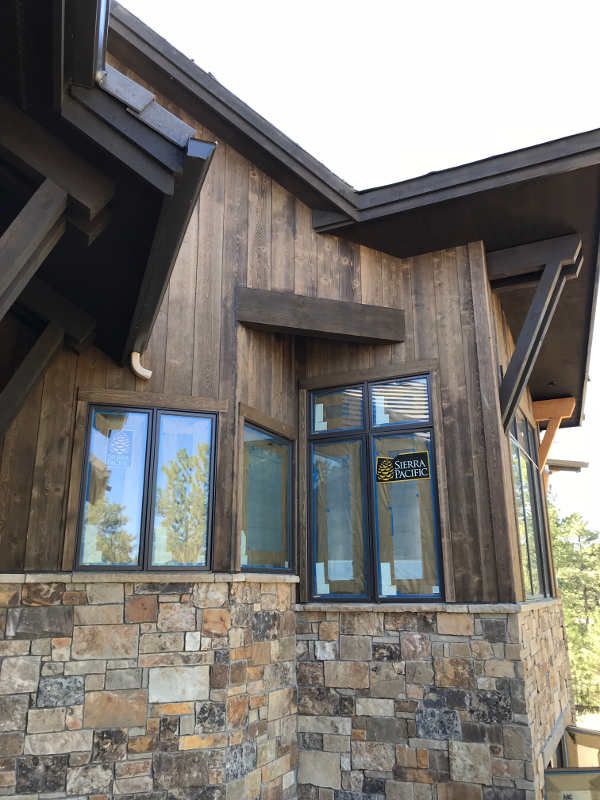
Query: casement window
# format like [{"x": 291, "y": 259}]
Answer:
[
  {"x": 147, "y": 489},
  {"x": 374, "y": 530},
  {"x": 266, "y": 535},
  {"x": 529, "y": 508}
]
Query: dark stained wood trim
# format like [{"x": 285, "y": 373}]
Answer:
[
  {"x": 74, "y": 487},
  {"x": 34, "y": 148},
  {"x": 564, "y": 257},
  {"x": 528, "y": 259},
  {"x": 115, "y": 114},
  {"x": 256, "y": 417},
  {"x": 442, "y": 487},
  {"x": 172, "y": 224},
  {"x": 497, "y": 454},
  {"x": 28, "y": 373},
  {"x": 302, "y": 549},
  {"x": 28, "y": 240},
  {"x": 153, "y": 400},
  {"x": 285, "y": 312},
  {"x": 43, "y": 301},
  {"x": 403, "y": 369},
  {"x": 121, "y": 148}
]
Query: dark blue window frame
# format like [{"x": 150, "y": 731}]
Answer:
[
  {"x": 148, "y": 500},
  {"x": 369, "y": 502},
  {"x": 289, "y": 443}
]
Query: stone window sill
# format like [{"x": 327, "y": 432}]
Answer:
[
  {"x": 147, "y": 577},
  {"x": 448, "y": 608}
]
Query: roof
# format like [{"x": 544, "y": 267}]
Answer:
[
  {"x": 56, "y": 84},
  {"x": 535, "y": 193}
]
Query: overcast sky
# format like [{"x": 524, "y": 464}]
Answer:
[{"x": 382, "y": 91}]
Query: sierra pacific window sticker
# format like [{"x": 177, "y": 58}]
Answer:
[{"x": 403, "y": 467}]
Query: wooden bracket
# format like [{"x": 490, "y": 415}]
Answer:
[
  {"x": 553, "y": 412},
  {"x": 29, "y": 371},
  {"x": 39, "y": 299},
  {"x": 563, "y": 259},
  {"x": 29, "y": 239}
]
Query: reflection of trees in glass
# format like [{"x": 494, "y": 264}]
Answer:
[
  {"x": 112, "y": 540},
  {"x": 182, "y": 505}
]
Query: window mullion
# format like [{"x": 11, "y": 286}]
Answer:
[{"x": 148, "y": 491}]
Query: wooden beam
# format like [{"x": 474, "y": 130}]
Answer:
[
  {"x": 117, "y": 145},
  {"x": 173, "y": 220},
  {"x": 565, "y": 257},
  {"x": 29, "y": 239},
  {"x": 285, "y": 312},
  {"x": 44, "y": 302},
  {"x": 552, "y": 411},
  {"x": 28, "y": 373},
  {"x": 527, "y": 259},
  {"x": 544, "y": 410},
  {"x": 32, "y": 147}
]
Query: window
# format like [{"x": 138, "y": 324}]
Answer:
[
  {"x": 373, "y": 505},
  {"x": 147, "y": 489},
  {"x": 267, "y": 501},
  {"x": 529, "y": 508}
]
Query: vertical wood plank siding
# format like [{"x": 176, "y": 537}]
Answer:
[{"x": 249, "y": 230}]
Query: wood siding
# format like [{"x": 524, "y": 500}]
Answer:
[{"x": 249, "y": 231}]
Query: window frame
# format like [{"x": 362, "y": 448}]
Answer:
[
  {"x": 291, "y": 481},
  {"x": 146, "y": 534},
  {"x": 365, "y": 435},
  {"x": 265, "y": 424},
  {"x": 540, "y": 523}
]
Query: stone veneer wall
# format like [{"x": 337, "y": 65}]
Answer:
[
  {"x": 546, "y": 675},
  {"x": 184, "y": 688},
  {"x": 161, "y": 689},
  {"x": 431, "y": 703}
]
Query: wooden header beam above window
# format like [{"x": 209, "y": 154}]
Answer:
[
  {"x": 285, "y": 312},
  {"x": 562, "y": 258},
  {"x": 553, "y": 412}
]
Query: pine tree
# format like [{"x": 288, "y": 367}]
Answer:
[
  {"x": 182, "y": 505},
  {"x": 112, "y": 540},
  {"x": 577, "y": 558}
]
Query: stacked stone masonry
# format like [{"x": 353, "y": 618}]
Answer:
[
  {"x": 428, "y": 705},
  {"x": 153, "y": 691},
  {"x": 148, "y": 689}
]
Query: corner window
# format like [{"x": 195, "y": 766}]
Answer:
[
  {"x": 374, "y": 529},
  {"x": 147, "y": 489},
  {"x": 267, "y": 501},
  {"x": 529, "y": 509}
]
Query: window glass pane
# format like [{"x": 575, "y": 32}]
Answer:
[
  {"x": 266, "y": 511},
  {"x": 521, "y": 517},
  {"x": 533, "y": 531},
  {"x": 338, "y": 517},
  {"x": 341, "y": 409},
  {"x": 524, "y": 476},
  {"x": 522, "y": 426},
  {"x": 400, "y": 401},
  {"x": 405, "y": 515},
  {"x": 180, "y": 531},
  {"x": 115, "y": 473}
]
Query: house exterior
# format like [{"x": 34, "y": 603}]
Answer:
[{"x": 272, "y": 515}]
